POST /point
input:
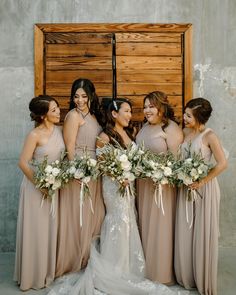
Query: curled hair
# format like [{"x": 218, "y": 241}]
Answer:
[
  {"x": 160, "y": 101},
  {"x": 115, "y": 105},
  {"x": 39, "y": 107},
  {"x": 89, "y": 89},
  {"x": 201, "y": 109}
]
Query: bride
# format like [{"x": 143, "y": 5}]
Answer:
[{"x": 116, "y": 265}]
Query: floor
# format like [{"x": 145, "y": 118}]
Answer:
[{"x": 226, "y": 275}]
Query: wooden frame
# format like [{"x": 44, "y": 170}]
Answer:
[{"x": 184, "y": 30}]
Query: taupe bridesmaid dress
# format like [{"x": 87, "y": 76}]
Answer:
[
  {"x": 73, "y": 240},
  {"x": 196, "y": 248},
  {"x": 156, "y": 229},
  {"x": 36, "y": 239}
]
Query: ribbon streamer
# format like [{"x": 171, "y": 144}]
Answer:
[
  {"x": 81, "y": 198},
  {"x": 193, "y": 195},
  {"x": 159, "y": 198}
]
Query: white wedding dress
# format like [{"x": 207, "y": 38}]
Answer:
[{"x": 116, "y": 265}]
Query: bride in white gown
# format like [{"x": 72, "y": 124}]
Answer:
[{"x": 116, "y": 265}]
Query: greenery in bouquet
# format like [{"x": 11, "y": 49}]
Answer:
[
  {"x": 121, "y": 165},
  {"x": 193, "y": 167},
  {"x": 49, "y": 177}
]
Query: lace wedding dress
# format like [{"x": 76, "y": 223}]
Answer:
[{"x": 116, "y": 265}]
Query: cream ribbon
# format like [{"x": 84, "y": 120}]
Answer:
[
  {"x": 159, "y": 198},
  {"x": 53, "y": 206},
  {"x": 81, "y": 198},
  {"x": 193, "y": 198}
]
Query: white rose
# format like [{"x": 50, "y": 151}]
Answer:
[
  {"x": 152, "y": 164},
  {"x": 92, "y": 162},
  {"x": 50, "y": 179},
  {"x": 199, "y": 171},
  {"x": 72, "y": 170},
  {"x": 78, "y": 174},
  {"x": 157, "y": 175},
  {"x": 129, "y": 176},
  {"x": 48, "y": 169},
  {"x": 193, "y": 172},
  {"x": 55, "y": 171},
  {"x": 86, "y": 179},
  {"x": 126, "y": 166},
  {"x": 188, "y": 161},
  {"x": 57, "y": 184},
  {"x": 164, "y": 181},
  {"x": 187, "y": 180},
  {"x": 167, "y": 171},
  {"x": 123, "y": 158}
]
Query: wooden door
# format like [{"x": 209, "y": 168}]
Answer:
[{"x": 147, "y": 57}]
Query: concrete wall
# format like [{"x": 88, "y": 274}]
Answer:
[{"x": 214, "y": 62}]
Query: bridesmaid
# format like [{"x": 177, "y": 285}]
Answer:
[
  {"x": 36, "y": 239},
  {"x": 160, "y": 134},
  {"x": 81, "y": 129},
  {"x": 196, "y": 247}
]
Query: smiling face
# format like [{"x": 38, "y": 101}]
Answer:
[
  {"x": 53, "y": 114},
  {"x": 123, "y": 115},
  {"x": 81, "y": 100},
  {"x": 189, "y": 119},
  {"x": 151, "y": 113}
]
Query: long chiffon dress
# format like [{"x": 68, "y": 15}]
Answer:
[
  {"x": 74, "y": 240},
  {"x": 156, "y": 227},
  {"x": 36, "y": 239},
  {"x": 196, "y": 246}
]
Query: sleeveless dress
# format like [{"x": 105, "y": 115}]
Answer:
[
  {"x": 116, "y": 265},
  {"x": 196, "y": 248},
  {"x": 74, "y": 241},
  {"x": 156, "y": 229},
  {"x": 36, "y": 239}
]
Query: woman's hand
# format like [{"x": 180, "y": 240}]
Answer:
[
  {"x": 197, "y": 184},
  {"x": 126, "y": 182}
]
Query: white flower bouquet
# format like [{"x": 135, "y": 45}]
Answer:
[
  {"x": 121, "y": 165},
  {"x": 49, "y": 177},
  {"x": 190, "y": 169},
  {"x": 84, "y": 169},
  {"x": 161, "y": 169}
]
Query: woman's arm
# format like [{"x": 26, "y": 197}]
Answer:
[
  {"x": 27, "y": 155},
  {"x": 102, "y": 139},
  {"x": 70, "y": 130},
  {"x": 174, "y": 137},
  {"x": 213, "y": 142}
]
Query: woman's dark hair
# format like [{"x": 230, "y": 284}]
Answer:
[
  {"x": 39, "y": 107},
  {"x": 201, "y": 109},
  {"x": 93, "y": 101},
  {"x": 115, "y": 105},
  {"x": 160, "y": 101}
]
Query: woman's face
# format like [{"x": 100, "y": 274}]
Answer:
[
  {"x": 81, "y": 100},
  {"x": 151, "y": 112},
  {"x": 189, "y": 120},
  {"x": 53, "y": 114},
  {"x": 123, "y": 116}
]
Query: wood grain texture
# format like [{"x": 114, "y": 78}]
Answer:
[{"x": 38, "y": 61}]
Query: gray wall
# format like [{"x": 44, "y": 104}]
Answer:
[{"x": 214, "y": 60}]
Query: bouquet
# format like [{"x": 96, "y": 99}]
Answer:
[
  {"x": 121, "y": 165},
  {"x": 49, "y": 177},
  {"x": 161, "y": 169},
  {"x": 83, "y": 168},
  {"x": 192, "y": 168}
]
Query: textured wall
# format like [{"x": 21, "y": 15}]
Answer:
[{"x": 214, "y": 60}]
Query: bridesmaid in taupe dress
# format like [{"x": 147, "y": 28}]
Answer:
[
  {"x": 160, "y": 134},
  {"x": 80, "y": 132},
  {"x": 36, "y": 240},
  {"x": 196, "y": 245}
]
